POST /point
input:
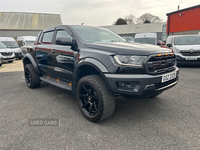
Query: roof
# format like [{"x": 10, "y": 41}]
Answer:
[
  {"x": 7, "y": 39},
  {"x": 28, "y": 21},
  {"x": 136, "y": 28},
  {"x": 183, "y": 10}
]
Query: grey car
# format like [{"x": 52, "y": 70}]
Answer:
[
  {"x": 1, "y": 61},
  {"x": 6, "y": 53}
]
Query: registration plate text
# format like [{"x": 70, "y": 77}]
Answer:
[{"x": 168, "y": 76}]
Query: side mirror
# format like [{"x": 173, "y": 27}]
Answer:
[
  {"x": 169, "y": 45},
  {"x": 64, "y": 41}
]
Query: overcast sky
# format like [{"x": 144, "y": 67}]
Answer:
[{"x": 96, "y": 12}]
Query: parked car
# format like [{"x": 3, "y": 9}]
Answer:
[
  {"x": 25, "y": 40},
  {"x": 185, "y": 47},
  {"x": 148, "y": 38},
  {"x": 6, "y": 54},
  {"x": 12, "y": 44},
  {"x": 129, "y": 38},
  {"x": 95, "y": 68},
  {"x": 1, "y": 61},
  {"x": 160, "y": 43}
]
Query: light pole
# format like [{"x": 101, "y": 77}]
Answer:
[{"x": 138, "y": 28}]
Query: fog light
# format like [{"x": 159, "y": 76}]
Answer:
[{"x": 130, "y": 86}]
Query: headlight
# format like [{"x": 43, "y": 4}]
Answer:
[
  {"x": 134, "y": 61},
  {"x": 176, "y": 50}
]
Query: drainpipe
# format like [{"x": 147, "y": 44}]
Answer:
[{"x": 168, "y": 25}]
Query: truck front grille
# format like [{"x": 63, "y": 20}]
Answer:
[
  {"x": 6, "y": 54},
  {"x": 195, "y": 53},
  {"x": 160, "y": 64}
]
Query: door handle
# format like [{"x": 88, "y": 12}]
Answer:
[
  {"x": 39, "y": 50},
  {"x": 53, "y": 51}
]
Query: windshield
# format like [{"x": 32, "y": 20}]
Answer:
[
  {"x": 2, "y": 45},
  {"x": 129, "y": 38},
  {"x": 30, "y": 42},
  {"x": 10, "y": 44},
  {"x": 187, "y": 40},
  {"x": 146, "y": 40},
  {"x": 94, "y": 34}
]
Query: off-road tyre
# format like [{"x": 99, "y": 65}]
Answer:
[
  {"x": 31, "y": 77},
  {"x": 92, "y": 90}
]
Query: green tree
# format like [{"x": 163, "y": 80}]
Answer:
[
  {"x": 147, "y": 21},
  {"x": 148, "y": 18},
  {"x": 120, "y": 21}
]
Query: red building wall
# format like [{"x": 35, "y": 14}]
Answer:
[{"x": 185, "y": 20}]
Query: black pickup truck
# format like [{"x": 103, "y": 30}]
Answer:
[{"x": 96, "y": 64}]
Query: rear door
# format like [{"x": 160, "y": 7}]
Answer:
[{"x": 43, "y": 52}]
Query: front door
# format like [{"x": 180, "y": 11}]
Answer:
[{"x": 63, "y": 57}]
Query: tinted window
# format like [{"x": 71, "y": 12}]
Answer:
[
  {"x": 62, "y": 33},
  {"x": 94, "y": 34},
  {"x": 47, "y": 37}
]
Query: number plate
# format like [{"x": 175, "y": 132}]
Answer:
[
  {"x": 168, "y": 76},
  {"x": 7, "y": 56},
  {"x": 191, "y": 58}
]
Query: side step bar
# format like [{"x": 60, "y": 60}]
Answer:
[{"x": 56, "y": 82}]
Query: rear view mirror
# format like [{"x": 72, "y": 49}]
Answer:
[{"x": 64, "y": 41}]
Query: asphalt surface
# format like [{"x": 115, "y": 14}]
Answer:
[{"x": 170, "y": 121}]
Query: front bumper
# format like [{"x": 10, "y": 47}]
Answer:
[
  {"x": 18, "y": 55},
  {"x": 8, "y": 58},
  {"x": 183, "y": 59},
  {"x": 142, "y": 84}
]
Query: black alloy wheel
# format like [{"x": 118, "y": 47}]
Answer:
[
  {"x": 27, "y": 77},
  {"x": 95, "y": 100},
  {"x": 89, "y": 100},
  {"x": 31, "y": 77}
]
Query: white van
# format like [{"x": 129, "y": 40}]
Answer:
[
  {"x": 148, "y": 38},
  {"x": 185, "y": 47},
  {"x": 12, "y": 44},
  {"x": 25, "y": 40},
  {"x": 6, "y": 54}
]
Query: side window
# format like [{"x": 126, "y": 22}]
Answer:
[
  {"x": 47, "y": 37},
  {"x": 62, "y": 33},
  {"x": 20, "y": 43}
]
